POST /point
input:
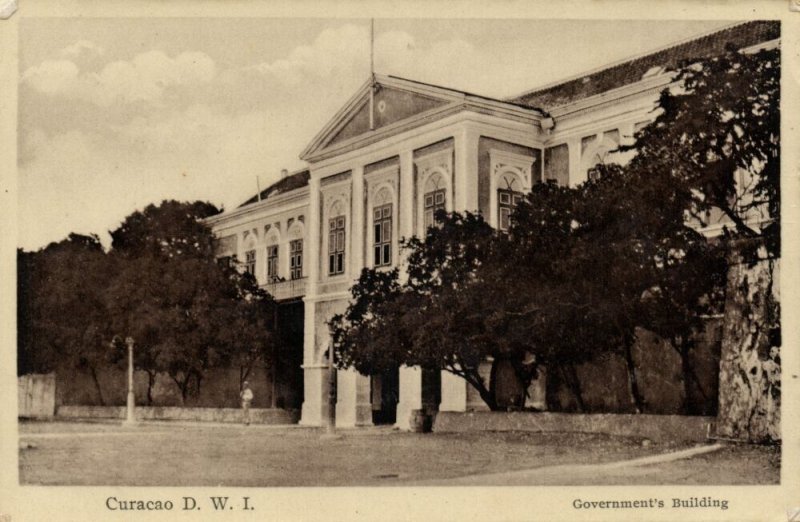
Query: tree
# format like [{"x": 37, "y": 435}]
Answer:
[
  {"x": 187, "y": 313},
  {"x": 62, "y": 314},
  {"x": 432, "y": 319},
  {"x": 717, "y": 140}
]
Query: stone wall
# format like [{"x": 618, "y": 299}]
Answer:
[
  {"x": 219, "y": 389},
  {"x": 232, "y": 415},
  {"x": 658, "y": 428},
  {"x": 604, "y": 381}
]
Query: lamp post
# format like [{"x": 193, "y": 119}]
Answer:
[{"x": 130, "y": 419}]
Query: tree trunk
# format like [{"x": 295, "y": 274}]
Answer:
[
  {"x": 97, "y": 385},
  {"x": 682, "y": 347},
  {"x": 474, "y": 378},
  {"x": 749, "y": 378},
  {"x": 633, "y": 382},
  {"x": 151, "y": 381},
  {"x": 570, "y": 375}
]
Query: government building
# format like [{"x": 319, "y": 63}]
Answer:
[{"x": 394, "y": 154}]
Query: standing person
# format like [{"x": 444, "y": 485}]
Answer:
[{"x": 247, "y": 397}]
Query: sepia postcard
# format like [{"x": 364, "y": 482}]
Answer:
[{"x": 399, "y": 261}]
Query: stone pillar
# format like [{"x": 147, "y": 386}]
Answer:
[
  {"x": 454, "y": 392},
  {"x": 315, "y": 373},
  {"x": 474, "y": 401},
  {"x": 353, "y": 407},
  {"x": 466, "y": 172},
  {"x": 410, "y": 395},
  {"x": 576, "y": 177}
]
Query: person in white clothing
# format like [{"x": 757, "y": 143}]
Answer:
[{"x": 247, "y": 397}]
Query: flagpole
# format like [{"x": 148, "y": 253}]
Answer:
[{"x": 371, "y": 74}]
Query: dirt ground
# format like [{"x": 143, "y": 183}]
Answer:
[{"x": 173, "y": 454}]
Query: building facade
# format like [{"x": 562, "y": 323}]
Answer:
[{"x": 398, "y": 151}]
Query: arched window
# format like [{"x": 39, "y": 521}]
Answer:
[
  {"x": 509, "y": 194},
  {"x": 336, "y": 239},
  {"x": 598, "y": 159},
  {"x": 272, "y": 250},
  {"x": 434, "y": 199},
  {"x": 296, "y": 250},
  {"x": 249, "y": 265},
  {"x": 382, "y": 228}
]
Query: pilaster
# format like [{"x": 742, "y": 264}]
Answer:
[
  {"x": 357, "y": 229},
  {"x": 466, "y": 171},
  {"x": 576, "y": 177},
  {"x": 314, "y": 374}
]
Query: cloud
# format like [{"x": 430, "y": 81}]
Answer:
[
  {"x": 81, "y": 48},
  {"x": 88, "y": 181},
  {"x": 143, "y": 79},
  {"x": 341, "y": 49},
  {"x": 341, "y": 55}
]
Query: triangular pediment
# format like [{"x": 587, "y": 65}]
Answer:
[
  {"x": 394, "y": 101},
  {"x": 389, "y": 106}
]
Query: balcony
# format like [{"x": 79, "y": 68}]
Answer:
[{"x": 289, "y": 289}]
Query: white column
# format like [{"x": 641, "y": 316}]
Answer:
[
  {"x": 466, "y": 171},
  {"x": 357, "y": 223},
  {"x": 410, "y": 377},
  {"x": 576, "y": 177},
  {"x": 353, "y": 406},
  {"x": 410, "y": 395},
  {"x": 314, "y": 373},
  {"x": 454, "y": 393},
  {"x": 406, "y": 196}
]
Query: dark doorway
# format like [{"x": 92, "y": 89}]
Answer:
[
  {"x": 431, "y": 390},
  {"x": 288, "y": 384},
  {"x": 385, "y": 391}
]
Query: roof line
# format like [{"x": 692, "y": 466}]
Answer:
[
  {"x": 467, "y": 93},
  {"x": 628, "y": 59}
]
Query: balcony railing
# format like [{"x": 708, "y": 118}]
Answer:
[{"x": 288, "y": 289}]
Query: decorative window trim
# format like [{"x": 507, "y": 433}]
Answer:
[
  {"x": 429, "y": 165},
  {"x": 377, "y": 182},
  {"x": 273, "y": 259},
  {"x": 503, "y": 163},
  {"x": 296, "y": 258},
  {"x": 599, "y": 147},
  {"x": 336, "y": 255},
  {"x": 250, "y": 259},
  {"x": 338, "y": 194}
]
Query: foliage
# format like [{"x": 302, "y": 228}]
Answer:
[
  {"x": 717, "y": 138},
  {"x": 62, "y": 311},
  {"x": 159, "y": 284},
  {"x": 186, "y": 313}
]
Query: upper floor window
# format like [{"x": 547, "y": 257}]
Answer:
[
  {"x": 296, "y": 258},
  {"x": 250, "y": 262},
  {"x": 336, "y": 238},
  {"x": 272, "y": 262},
  {"x": 226, "y": 261},
  {"x": 382, "y": 225},
  {"x": 433, "y": 201},
  {"x": 506, "y": 201}
]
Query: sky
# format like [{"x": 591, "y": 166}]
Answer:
[{"x": 115, "y": 114}]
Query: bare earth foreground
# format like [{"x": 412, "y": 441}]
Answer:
[{"x": 183, "y": 454}]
